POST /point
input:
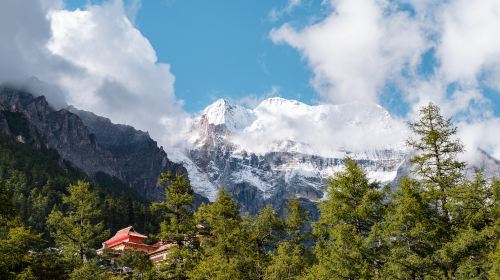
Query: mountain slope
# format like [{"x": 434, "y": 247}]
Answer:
[
  {"x": 284, "y": 148},
  {"x": 91, "y": 143}
]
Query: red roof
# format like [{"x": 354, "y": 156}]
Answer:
[
  {"x": 127, "y": 234},
  {"x": 130, "y": 231}
]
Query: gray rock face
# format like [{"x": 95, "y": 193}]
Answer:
[
  {"x": 90, "y": 142},
  {"x": 256, "y": 180}
]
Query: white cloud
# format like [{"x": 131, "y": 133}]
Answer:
[
  {"x": 95, "y": 58},
  {"x": 132, "y": 9},
  {"x": 469, "y": 44},
  {"x": 356, "y": 49},
  {"x": 364, "y": 45},
  {"x": 480, "y": 134},
  {"x": 123, "y": 79},
  {"x": 24, "y": 31},
  {"x": 277, "y": 13},
  {"x": 278, "y": 124},
  {"x": 252, "y": 100}
]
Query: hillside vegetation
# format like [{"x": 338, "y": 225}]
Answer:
[{"x": 437, "y": 224}]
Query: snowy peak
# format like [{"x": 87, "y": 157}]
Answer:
[
  {"x": 233, "y": 116},
  {"x": 279, "y": 124},
  {"x": 282, "y": 105}
]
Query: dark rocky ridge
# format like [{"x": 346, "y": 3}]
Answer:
[{"x": 90, "y": 142}]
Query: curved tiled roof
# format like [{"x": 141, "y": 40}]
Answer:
[{"x": 123, "y": 233}]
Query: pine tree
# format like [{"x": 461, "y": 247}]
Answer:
[
  {"x": 79, "y": 229},
  {"x": 178, "y": 225},
  {"x": 178, "y": 208},
  {"x": 88, "y": 271},
  {"x": 345, "y": 246},
  {"x": 291, "y": 257},
  {"x": 462, "y": 205},
  {"x": 265, "y": 230},
  {"x": 137, "y": 260},
  {"x": 472, "y": 209},
  {"x": 225, "y": 244},
  {"x": 436, "y": 160},
  {"x": 410, "y": 232},
  {"x": 15, "y": 245},
  {"x": 295, "y": 221},
  {"x": 494, "y": 235}
]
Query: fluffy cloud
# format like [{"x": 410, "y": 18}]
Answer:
[
  {"x": 357, "y": 48},
  {"x": 96, "y": 59},
  {"x": 470, "y": 45},
  {"x": 328, "y": 130},
  {"x": 365, "y": 45},
  {"x": 24, "y": 32},
  {"x": 123, "y": 78}
]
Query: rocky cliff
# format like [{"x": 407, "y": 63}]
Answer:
[
  {"x": 253, "y": 154},
  {"x": 90, "y": 142},
  {"x": 284, "y": 148}
]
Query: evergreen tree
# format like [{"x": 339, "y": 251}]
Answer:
[
  {"x": 436, "y": 160},
  {"x": 265, "y": 230},
  {"x": 137, "y": 260},
  {"x": 79, "y": 229},
  {"x": 472, "y": 209},
  {"x": 291, "y": 257},
  {"x": 346, "y": 246},
  {"x": 463, "y": 207},
  {"x": 178, "y": 226},
  {"x": 494, "y": 235},
  {"x": 15, "y": 245},
  {"x": 224, "y": 242},
  {"x": 88, "y": 271},
  {"x": 7, "y": 209},
  {"x": 410, "y": 233}
]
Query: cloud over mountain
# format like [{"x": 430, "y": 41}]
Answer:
[
  {"x": 416, "y": 51},
  {"x": 96, "y": 57}
]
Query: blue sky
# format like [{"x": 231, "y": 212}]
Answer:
[
  {"x": 154, "y": 63},
  {"x": 222, "y": 49}
]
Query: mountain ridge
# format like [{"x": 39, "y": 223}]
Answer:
[
  {"x": 92, "y": 143},
  {"x": 291, "y": 164}
]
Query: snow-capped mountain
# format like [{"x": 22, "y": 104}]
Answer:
[{"x": 284, "y": 147}]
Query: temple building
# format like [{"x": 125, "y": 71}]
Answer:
[{"x": 128, "y": 239}]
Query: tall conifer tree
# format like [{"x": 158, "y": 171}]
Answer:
[
  {"x": 291, "y": 257},
  {"x": 79, "y": 229},
  {"x": 346, "y": 247},
  {"x": 225, "y": 244},
  {"x": 178, "y": 226}
]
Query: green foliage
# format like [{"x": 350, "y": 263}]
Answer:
[
  {"x": 264, "y": 232},
  {"x": 177, "y": 209},
  {"x": 291, "y": 257},
  {"x": 79, "y": 230},
  {"x": 437, "y": 225},
  {"x": 137, "y": 260},
  {"x": 347, "y": 245},
  {"x": 14, "y": 247},
  {"x": 436, "y": 160},
  {"x": 88, "y": 271},
  {"x": 178, "y": 225},
  {"x": 410, "y": 232},
  {"x": 225, "y": 245}
]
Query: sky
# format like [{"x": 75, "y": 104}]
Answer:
[
  {"x": 153, "y": 64},
  {"x": 222, "y": 49}
]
